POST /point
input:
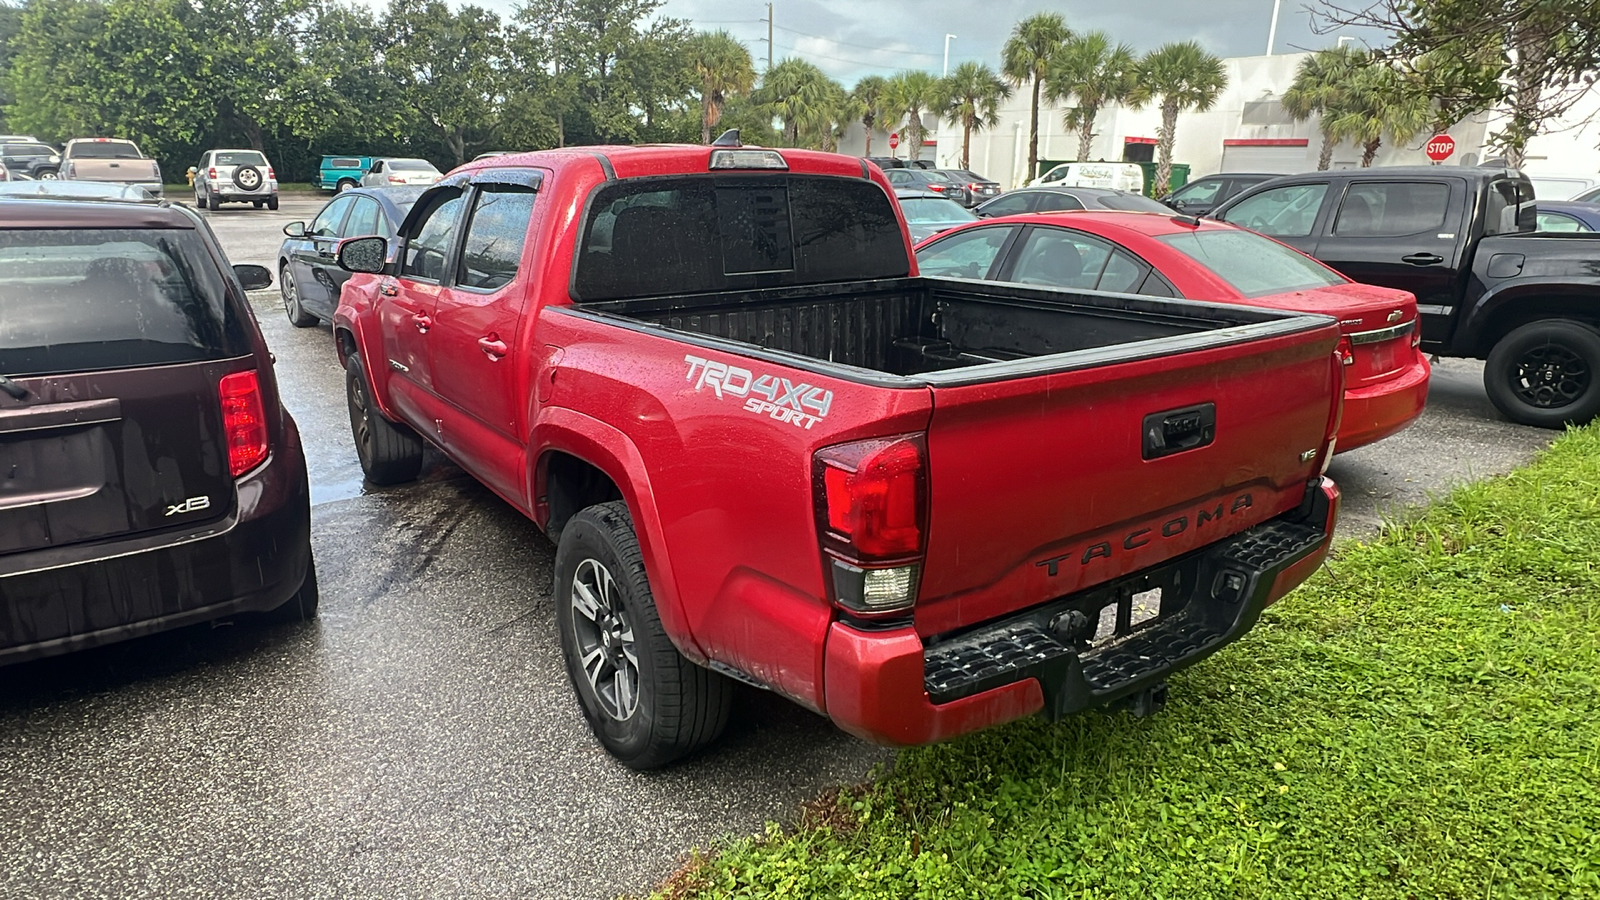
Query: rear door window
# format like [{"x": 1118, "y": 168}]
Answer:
[
  {"x": 1056, "y": 257},
  {"x": 1010, "y": 204},
  {"x": 79, "y": 300},
  {"x": 431, "y": 237},
  {"x": 966, "y": 254},
  {"x": 492, "y": 250},
  {"x": 1392, "y": 209},
  {"x": 1200, "y": 192},
  {"x": 1123, "y": 274},
  {"x": 1050, "y": 201},
  {"x": 1288, "y": 211},
  {"x": 364, "y": 219}
]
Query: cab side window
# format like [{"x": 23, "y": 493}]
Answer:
[
  {"x": 429, "y": 243},
  {"x": 1392, "y": 209},
  {"x": 492, "y": 250}
]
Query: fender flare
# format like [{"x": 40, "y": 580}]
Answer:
[
  {"x": 564, "y": 430},
  {"x": 1491, "y": 302},
  {"x": 370, "y": 348}
]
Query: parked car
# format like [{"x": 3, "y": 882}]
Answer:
[
  {"x": 1588, "y": 196},
  {"x": 5, "y": 174},
  {"x": 928, "y": 213},
  {"x": 28, "y": 138},
  {"x": 1562, "y": 187},
  {"x": 388, "y": 171},
  {"x": 1463, "y": 241},
  {"x": 69, "y": 190},
  {"x": 887, "y": 162},
  {"x": 234, "y": 176},
  {"x": 767, "y": 451},
  {"x": 927, "y": 180},
  {"x": 1067, "y": 199},
  {"x": 491, "y": 154},
  {"x": 341, "y": 173},
  {"x": 1567, "y": 215},
  {"x": 1202, "y": 195},
  {"x": 1115, "y": 175},
  {"x": 308, "y": 276},
  {"x": 110, "y": 160},
  {"x": 31, "y": 158},
  {"x": 1386, "y": 377},
  {"x": 154, "y": 478},
  {"x": 976, "y": 187}
]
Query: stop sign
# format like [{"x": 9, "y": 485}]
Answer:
[
  {"x": 1440, "y": 146},
  {"x": 894, "y": 140}
]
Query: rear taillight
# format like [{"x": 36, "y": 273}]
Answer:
[
  {"x": 1347, "y": 350},
  {"x": 211, "y": 173},
  {"x": 1330, "y": 435},
  {"x": 244, "y": 421},
  {"x": 872, "y": 513},
  {"x": 271, "y": 174},
  {"x": 937, "y": 187}
]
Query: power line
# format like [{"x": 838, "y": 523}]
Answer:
[
  {"x": 857, "y": 46},
  {"x": 854, "y": 62}
]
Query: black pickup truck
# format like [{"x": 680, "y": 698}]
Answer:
[{"x": 1462, "y": 240}]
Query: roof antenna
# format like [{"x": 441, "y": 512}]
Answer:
[{"x": 729, "y": 138}]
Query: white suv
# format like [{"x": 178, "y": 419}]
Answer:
[{"x": 235, "y": 176}]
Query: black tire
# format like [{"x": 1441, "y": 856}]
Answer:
[
  {"x": 247, "y": 178},
  {"x": 675, "y": 707},
  {"x": 212, "y": 203},
  {"x": 298, "y": 317},
  {"x": 345, "y": 184},
  {"x": 302, "y": 607},
  {"x": 390, "y": 453},
  {"x": 1546, "y": 373},
  {"x": 272, "y": 202},
  {"x": 46, "y": 175}
]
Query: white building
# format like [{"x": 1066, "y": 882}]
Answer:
[{"x": 1246, "y": 131}]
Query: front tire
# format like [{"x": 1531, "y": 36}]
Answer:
[
  {"x": 390, "y": 453},
  {"x": 298, "y": 317},
  {"x": 1546, "y": 373},
  {"x": 645, "y": 702}
]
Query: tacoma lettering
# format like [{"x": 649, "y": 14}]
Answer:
[{"x": 1142, "y": 536}]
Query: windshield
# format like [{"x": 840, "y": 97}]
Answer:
[
  {"x": 411, "y": 165},
  {"x": 1254, "y": 265},
  {"x": 78, "y": 300},
  {"x": 935, "y": 209},
  {"x": 240, "y": 158},
  {"x": 105, "y": 150}
]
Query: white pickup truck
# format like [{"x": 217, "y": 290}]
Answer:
[{"x": 110, "y": 160}]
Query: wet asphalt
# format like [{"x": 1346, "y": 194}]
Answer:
[{"x": 420, "y": 739}]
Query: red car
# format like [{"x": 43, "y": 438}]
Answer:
[{"x": 1386, "y": 376}]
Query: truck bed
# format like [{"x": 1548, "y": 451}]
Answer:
[{"x": 938, "y": 330}]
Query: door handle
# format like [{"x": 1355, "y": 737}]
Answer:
[
  {"x": 423, "y": 321},
  {"x": 493, "y": 347},
  {"x": 1422, "y": 259}
]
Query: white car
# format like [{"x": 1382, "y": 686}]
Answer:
[
  {"x": 1561, "y": 187},
  {"x": 389, "y": 170},
  {"x": 1117, "y": 176},
  {"x": 235, "y": 176}
]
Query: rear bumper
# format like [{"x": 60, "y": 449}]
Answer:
[
  {"x": 72, "y": 598},
  {"x": 889, "y": 687},
  {"x": 1373, "y": 413}
]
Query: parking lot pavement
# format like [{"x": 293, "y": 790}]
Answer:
[{"x": 421, "y": 740}]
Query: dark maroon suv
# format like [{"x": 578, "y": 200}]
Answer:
[{"x": 149, "y": 476}]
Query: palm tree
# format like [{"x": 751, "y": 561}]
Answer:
[
  {"x": 1377, "y": 102},
  {"x": 906, "y": 97},
  {"x": 795, "y": 91},
  {"x": 1092, "y": 73},
  {"x": 1026, "y": 58},
  {"x": 724, "y": 69},
  {"x": 833, "y": 112},
  {"x": 970, "y": 97},
  {"x": 1183, "y": 76},
  {"x": 868, "y": 94},
  {"x": 1319, "y": 88}
]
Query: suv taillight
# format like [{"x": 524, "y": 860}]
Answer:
[
  {"x": 244, "y": 421},
  {"x": 271, "y": 174},
  {"x": 872, "y": 513},
  {"x": 211, "y": 173}
]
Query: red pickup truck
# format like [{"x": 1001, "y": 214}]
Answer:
[{"x": 768, "y": 451}]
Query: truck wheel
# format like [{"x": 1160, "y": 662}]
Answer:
[
  {"x": 390, "y": 453},
  {"x": 646, "y": 703},
  {"x": 345, "y": 184},
  {"x": 212, "y": 203},
  {"x": 272, "y": 202},
  {"x": 298, "y": 317},
  {"x": 302, "y": 607},
  {"x": 1546, "y": 373},
  {"x": 47, "y": 175}
]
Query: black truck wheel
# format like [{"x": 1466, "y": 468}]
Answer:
[
  {"x": 390, "y": 453},
  {"x": 1546, "y": 373},
  {"x": 646, "y": 703}
]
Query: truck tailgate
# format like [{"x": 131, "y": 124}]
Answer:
[{"x": 1044, "y": 485}]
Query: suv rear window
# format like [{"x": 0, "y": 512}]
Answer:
[
  {"x": 702, "y": 233},
  {"x": 105, "y": 150},
  {"x": 78, "y": 300},
  {"x": 1254, "y": 265},
  {"x": 241, "y": 158}
]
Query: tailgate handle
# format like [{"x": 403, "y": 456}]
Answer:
[
  {"x": 1177, "y": 430},
  {"x": 60, "y": 415}
]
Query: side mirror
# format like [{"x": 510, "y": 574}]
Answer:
[
  {"x": 254, "y": 278},
  {"x": 363, "y": 254},
  {"x": 295, "y": 229}
]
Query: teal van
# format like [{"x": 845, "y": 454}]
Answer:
[{"x": 341, "y": 173}]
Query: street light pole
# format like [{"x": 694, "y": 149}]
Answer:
[
  {"x": 947, "y": 39},
  {"x": 1272, "y": 32}
]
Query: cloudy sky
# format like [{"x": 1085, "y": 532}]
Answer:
[{"x": 851, "y": 38}]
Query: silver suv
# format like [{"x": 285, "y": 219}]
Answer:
[{"x": 235, "y": 176}]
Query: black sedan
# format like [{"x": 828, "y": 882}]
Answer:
[
  {"x": 308, "y": 275},
  {"x": 1201, "y": 196},
  {"x": 1063, "y": 199},
  {"x": 927, "y": 180}
]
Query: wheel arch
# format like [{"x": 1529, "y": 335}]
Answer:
[{"x": 1501, "y": 312}]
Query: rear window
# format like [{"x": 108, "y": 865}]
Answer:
[
  {"x": 1254, "y": 265},
  {"x": 934, "y": 209},
  {"x": 105, "y": 150},
  {"x": 27, "y": 150},
  {"x": 241, "y": 158},
  {"x": 343, "y": 162},
  {"x": 703, "y": 233},
  {"x": 411, "y": 165},
  {"x": 1132, "y": 203},
  {"x": 78, "y": 300}
]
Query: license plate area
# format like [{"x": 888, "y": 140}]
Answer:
[{"x": 1138, "y": 603}]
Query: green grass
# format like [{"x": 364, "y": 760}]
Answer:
[{"x": 1417, "y": 721}]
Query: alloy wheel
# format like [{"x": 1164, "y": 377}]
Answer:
[
  {"x": 1550, "y": 376},
  {"x": 605, "y": 640}
]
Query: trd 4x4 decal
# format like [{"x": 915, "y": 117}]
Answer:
[{"x": 779, "y": 398}]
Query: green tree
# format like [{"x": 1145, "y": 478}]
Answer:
[
  {"x": 1025, "y": 59},
  {"x": 724, "y": 69},
  {"x": 1092, "y": 73},
  {"x": 970, "y": 97},
  {"x": 906, "y": 97},
  {"x": 797, "y": 93},
  {"x": 1177, "y": 77},
  {"x": 868, "y": 94},
  {"x": 1319, "y": 88},
  {"x": 447, "y": 66},
  {"x": 1376, "y": 102}
]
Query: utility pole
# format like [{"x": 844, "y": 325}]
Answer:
[
  {"x": 947, "y": 39},
  {"x": 769, "y": 37},
  {"x": 1272, "y": 32}
]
